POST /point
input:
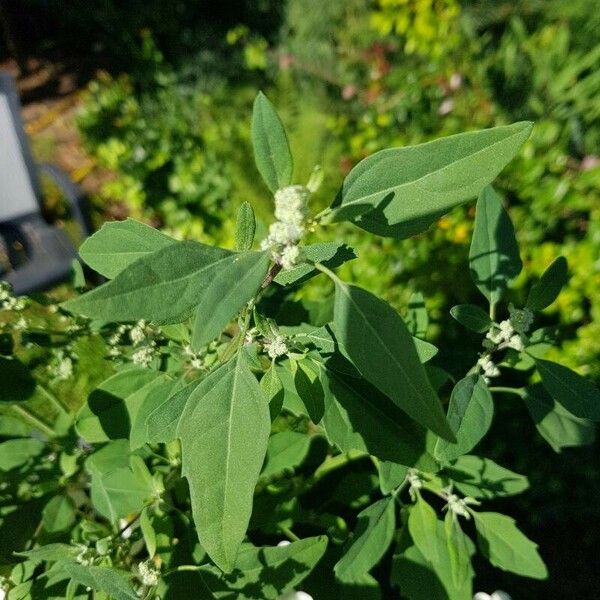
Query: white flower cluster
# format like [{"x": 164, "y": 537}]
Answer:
[
  {"x": 85, "y": 555},
  {"x": 458, "y": 506},
  {"x": 489, "y": 368},
  {"x": 7, "y": 300},
  {"x": 286, "y": 232},
  {"x": 139, "y": 332},
  {"x": 497, "y": 595},
  {"x": 63, "y": 368},
  {"x": 415, "y": 483},
  {"x": 148, "y": 574},
  {"x": 510, "y": 333},
  {"x": 194, "y": 359},
  {"x": 145, "y": 355},
  {"x": 275, "y": 346}
]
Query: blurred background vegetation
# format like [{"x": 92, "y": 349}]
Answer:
[{"x": 162, "y": 103}]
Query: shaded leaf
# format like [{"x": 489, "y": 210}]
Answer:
[
  {"x": 543, "y": 293},
  {"x": 286, "y": 451},
  {"x": 423, "y": 525},
  {"x": 16, "y": 382},
  {"x": 472, "y": 317}
]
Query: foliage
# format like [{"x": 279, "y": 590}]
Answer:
[{"x": 235, "y": 414}]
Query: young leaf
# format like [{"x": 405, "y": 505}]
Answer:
[
  {"x": 576, "y": 393},
  {"x": 377, "y": 342},
  {"x": 483, "y": 478},
  {"x": 370, "y": 541},
  {"x": 543, "y": 293},
  {"x": 224, "y": 433},
  {"x": 556, "y": 424},
  {"x": 272, "y": 153},
  {"x": 50, "y": 552},
  {"x": 272, "y": 570},
  {"x": 422, "y": 525},
  {"x": 162, "y": 287},
  {"x": 472, "y": 317},
  {"x": 506, "y": 547},
  {"x": 245, "y": 227},
  {"x": 14, "y": 453},
  {"x": 234, "y": 284},
  {"x": 401, "y": 191},
  {"x": 494, "y": 255},
  {"x": 148, "y": 532},
  {"x": 358, "y": 417},
  {"x": 118, "y": 244},
  {"x": 458, "y": 550},
  {"x": 286, "y": 451},
  {"x": 470, "y": 414}
]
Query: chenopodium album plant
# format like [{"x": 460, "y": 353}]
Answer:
[{"x": 271, "y": 423}]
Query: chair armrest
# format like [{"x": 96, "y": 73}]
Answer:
[{"x": 76, "y": 197}]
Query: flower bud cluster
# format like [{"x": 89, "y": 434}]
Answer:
[
  {"x": 284, "y": 235},
  {"x": 7, "y": 300},
  {"x": 275, "y": 346},
  {"x": 458, "y": 506},
  {"x": 415, "y": 483},
  {"x": 148, "y": 574}
]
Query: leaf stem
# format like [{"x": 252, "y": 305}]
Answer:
[
  {"x": 28, "y": 416},
  {"x": 508, "y": 390},
  {"x": 321, "y": 267},
  {"x": 290, "y": 534}
]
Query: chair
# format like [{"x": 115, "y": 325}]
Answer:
[{"x": 34, "y": 254}]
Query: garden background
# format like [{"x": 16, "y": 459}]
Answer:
[{"x": 147, "y": 105}]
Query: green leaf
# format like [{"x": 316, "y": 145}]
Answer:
[
  {"x": 330, "y": 254},
  {"x": 273, "y": 390},
  {"x": 120, "y": 243},
  {"x": 472, "y": 317},
  {"x": 470, "y": 414},
  {"x": 14, "y": 453},
  {"x": 271, "y": 148},
  {"x": 309, "y": 388},
  {"x": 422, "y": 525},
  {"x": 103, "y": 579},
  {"x": 377, "y": 342},
  {"x": 121, "y": 491},
  {"x": 59, "y": 514},
  {"x": 162, "y": 287},
  {"x": 373, "y": 535},
  {"x": 358, "y": 417},
  {"x": 111, "y": 456},
  {"x": 494, "y": 254},
  {"x": 401, "y": 191},
  {"x": 162, "y": 422},
  {"x": 50, "y": 552},
  {"x": 112, "y": 407},
  {"x": 556, "y": 424},
  {"x": 483, "y": 478},
  {"x": 224, "y": 433},
  {"x": 266, "y": 572},
  {"x": 391, "y": 475},
  {"x": 417, "y": 319},
  {"x": 286, "y": 451},
  {"x": 245, "y": 227},
  {"x": 506, "y": 547},
  {"x": 420, "y": 579},
  {"x": 425, "y": 350},
  {"x": 575, "y": 393},
  {"x": 458, "y": 550},
  {"x": 148, "y": 532},
  {"x": 233, "y": 285},
  {"x": 543, "y": 293},
  {"x": 16, "y": 382}
]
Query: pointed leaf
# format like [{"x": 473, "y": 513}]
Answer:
[
  {"x": 494, "y": 255},
  {"x": 103, "y": 579},
  {"x": 14, "y": 453},
  {"x": 245, "y": 227},
  {"x": 506, "y": 547},
  {"x": 422, "y": 525},
  {"x": 458, "y": 550},
  {"x": 120, "y": 243},
  {"x": 286, "y": 451},
  {"x": 224, "y": 433},
  {"x": 391, "y": 475},
  {"x": 574, "y": 392},
  {"x": 401, "y": 191},
  {"x": 162, "y": 287},
  {"x": 271, "y": 148},
  {"x": 379, "y": 345},
  {"x": 235, "y": 283},
  {"x": 546, "y": 290},
  {"x": 59, "y": 514},
  {"x": 470, "y": 414},
  {"x": 472, "y": 317},
  {"x": 370, "y": 541}
]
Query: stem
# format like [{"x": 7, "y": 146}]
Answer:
[
  {"x": 182, "y": 568},
  {"x": 508, "y": 390},
  {"x": 321, "y": 267},
  {"x": 493, "y": 311},
  {"x": 290, "y": 534},
  {"x": 61, "y": 406},
  {"x": 25, "y": 414}
]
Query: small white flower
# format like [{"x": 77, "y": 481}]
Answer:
[
  {"x": 126, "y": 530},
  {"x": 458, "y": 506},
  {"x": 516, "y": 343},
  {"x": 497, "y": 595},
  {"x": 143, "y": 356},
  {"x": 415, "y": 483},
  {"x": 64, "y": 367},
  {"x": 294, "y": 595},
  {"x": 488, "y": 367},
  {"x": 275, "y": 347},
  {"x": 148, "y": 574},
  {"x": 85, "y": 555},
  {"x": 284, "y": 543},
  {"x": 289, "y": 257},
  {"x": 138, "y": 332},
  {"x": 290, "y": 204}
]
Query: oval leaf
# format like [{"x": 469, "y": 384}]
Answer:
[
  {"x": 472, "y": 317},
  {"x": 546, "y": 290}
]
